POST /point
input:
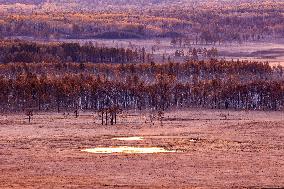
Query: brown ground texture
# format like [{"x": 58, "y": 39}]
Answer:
[{"x": 245, "y": 150}]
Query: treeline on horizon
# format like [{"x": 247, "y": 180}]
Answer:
[
  {"x": 66, "y": 86},
  {"x": 202, "y": 24}
]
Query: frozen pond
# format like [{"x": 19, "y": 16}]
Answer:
[{"x": 127, "y": 150}]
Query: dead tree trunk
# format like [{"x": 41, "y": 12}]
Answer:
[
  {"x": 106, "y": 117},
  {"x": 111, "y": 118},
  {"x": 76, "y": 113},
  {"x": 29, "y": 114}
]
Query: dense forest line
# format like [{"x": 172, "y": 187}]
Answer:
[
  {"x": 66, "y": 86},
  {"x": 21, "y": 51}
]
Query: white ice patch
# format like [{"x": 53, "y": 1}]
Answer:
[
  {"x": 129, "y": 138},
  {"x": 127, "y": 150}
]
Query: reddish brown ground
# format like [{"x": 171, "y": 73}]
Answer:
[{"x": 245, "y": 151}]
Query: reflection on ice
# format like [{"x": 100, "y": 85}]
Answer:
[{"x": 127, "y": 150}]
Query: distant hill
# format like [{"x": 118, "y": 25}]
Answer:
[
  {"x": 36, "y": 2},
  {"x": 90, "y": 2},
  {"x": 91, "y": 5},
  {"x": 79, "y": 5}
]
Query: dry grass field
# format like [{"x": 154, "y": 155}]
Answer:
[{"x": 214, "y": 149}]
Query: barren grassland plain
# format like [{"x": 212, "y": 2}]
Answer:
[{"x": 214, "y": 149}]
